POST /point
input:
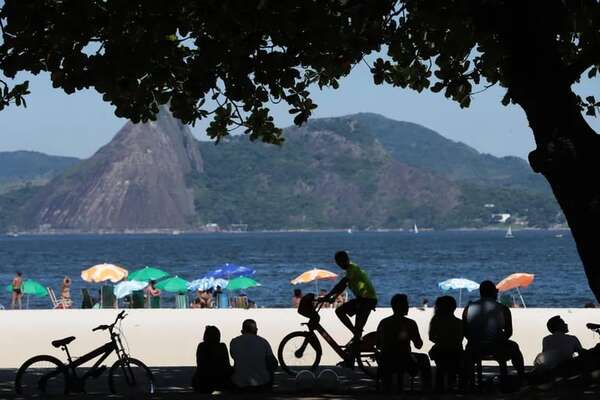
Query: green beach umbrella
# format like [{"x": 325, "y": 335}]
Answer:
[
  {"x": 31, "y": 287},
  {"x": 147, "y": 274},
  {"x": 174, "y": 284},
  {"x": 242, "y": 282}
]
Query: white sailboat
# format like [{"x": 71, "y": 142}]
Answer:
[
  {"x": 509, "y": 234},
  {"x": 415, "y": 229}
]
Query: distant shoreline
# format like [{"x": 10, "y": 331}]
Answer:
[{"x": 177, "y": 232}]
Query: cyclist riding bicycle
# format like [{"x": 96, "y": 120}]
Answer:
[{"x": 365, "y": 298}]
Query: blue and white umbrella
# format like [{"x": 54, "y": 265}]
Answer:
[
  {"x": 459, "y": 284},
  {"x": 228, "y": 271},
  {"x": 207, "y": 283},
  {"x": 125, "y": 288}
]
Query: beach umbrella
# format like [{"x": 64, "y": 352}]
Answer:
[
  {"x": 104, "y": 272},
  {"x": 516, "y": 281},
  {"x": 207, "y": 283},
  {"x": 174, "y": 284},
  {"x": 458, "y": 284},
  {"x": 241, "y": 283},
  {"x": 228, "y": 271},
  {"x": 315, "y": 275},
  {"x": 147, "y": 274},
  {"x": 125, "y": 288}
]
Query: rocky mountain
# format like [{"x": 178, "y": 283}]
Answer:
[
  {"x": 20, "y": 168},
  {"x": 362, "y": 171},
  {"x": 136, "y": 181}
]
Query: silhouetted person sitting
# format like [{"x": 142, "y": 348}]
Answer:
[
  {"x": 254, "y": 362},
  {"x": 213, "y": 371},
  {"x": 394, "y": 336},
  {"x": 488, "y": 328},
  {"x": 558, "y": 351},
  {"x": 446, "y": 332}
]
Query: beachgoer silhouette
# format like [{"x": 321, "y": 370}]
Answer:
[
  {"x": 151, "y": 293},
  {"x": 446, "y": 332},
  {"x": 17, "y": 291},
  {"x": 394, "y": 337},
  {"x": 488, "y": 327},
  {"x": 254, "y": 363},
  {"x": 364, "y": 302},
  {"x": 296, "y": 298},
  {"x": 213, "y": 370}
]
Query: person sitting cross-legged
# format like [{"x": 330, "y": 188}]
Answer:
[
  {"x": 446, "y": 332},
  {"x": 254, "y": 363},
  {"x": 394, "y": 337},
  {"x": 488, "y": 327}
]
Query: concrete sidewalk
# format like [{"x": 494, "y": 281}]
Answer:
[{"x": 175, "y": 383}]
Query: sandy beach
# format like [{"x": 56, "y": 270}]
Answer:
[{"x": 168, "y": 337}]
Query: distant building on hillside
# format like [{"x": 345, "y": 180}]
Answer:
[{"x": 500, "y": 218}]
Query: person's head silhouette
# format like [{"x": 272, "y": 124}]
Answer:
[
  {"x": 399, "y": 304},
  {"x": 297, "y": 293},
  {"x": 342, "y": 259},
  {"x": 557, "y": 325},
  {"x": 445, "y": 305},
  {"x": 212, "y": 334},
  {"x": 487, "y": 290},
  {"x": 249, "y": 327}
]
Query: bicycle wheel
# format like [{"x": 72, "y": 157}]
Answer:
[
  {"x": 299, "y": 350},
  {"x": 132, "y": 377},
  {"x": 41, "y": 376},
  {"x": 367, "y": 356}
]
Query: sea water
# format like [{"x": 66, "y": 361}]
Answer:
[{"x": 397, "y": 262}]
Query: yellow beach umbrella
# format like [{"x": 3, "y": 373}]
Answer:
[
  {"x": 316, "y": 275},
  {"x": 104, "y": 272}
]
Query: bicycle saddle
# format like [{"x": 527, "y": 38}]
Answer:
[
  {"x": 63, "y": 342},
  {"x": 593, "y": 326}
]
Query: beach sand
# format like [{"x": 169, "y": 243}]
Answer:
[{"x": 168, "y": 337}]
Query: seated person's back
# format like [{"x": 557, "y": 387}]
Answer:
[
  {"x": 445, "y": 330},
  {"x": 213, "y": 368},
  {"x": 486, "y": 320},
  {"x": 558, "y": 346},
  {"x": 254, "y": 362},
  {"x": 395, "y": 333}
]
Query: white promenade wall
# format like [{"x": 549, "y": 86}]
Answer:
[{"x": 168, "y": 337}]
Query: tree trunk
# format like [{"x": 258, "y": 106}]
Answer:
[{"x": 568, "y": 149}]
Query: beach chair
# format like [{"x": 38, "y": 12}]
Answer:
[
  {"x": 56, "y": 303},
  {"x": 137, "y": 299},
  {"x": 108, "y": 297},
  {"x": 181, "y": 301},
  {"x": 87, "y": 301},
  {"x": 240, "y": 302},
  {"x": 155, "y": 302}
]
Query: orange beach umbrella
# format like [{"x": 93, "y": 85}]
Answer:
[
  {"x": 316, "y": 275},
  {"x": 516, "y": 281},
  {"x": 104, "y": 272}
]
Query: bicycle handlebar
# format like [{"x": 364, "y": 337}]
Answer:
[
  {"x": 593, "y": 327},
  {"x": 121, "y": 316}
]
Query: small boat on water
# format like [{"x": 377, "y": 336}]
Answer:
[
  {"x": 509, "y": 234},
  {"x": 415, "y": 229},
  {"x": 12, "y": 234},
  {"x": 349, "y": 230}
]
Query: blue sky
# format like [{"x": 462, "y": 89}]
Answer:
[{"x": 78, "y": 124}]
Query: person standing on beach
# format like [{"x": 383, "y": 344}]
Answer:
[
  {"x": 17, "y": 291},
  {"x": 365, "y": 297},
  {"x": 151, "y": 292}
]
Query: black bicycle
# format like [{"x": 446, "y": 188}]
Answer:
[
  {"x": 46, "y": 375},
  {"x": 302, "y": 349}
]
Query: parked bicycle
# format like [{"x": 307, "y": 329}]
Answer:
[
  {"x": 302, "y": 349},
  {"x": 47, "y": 375}
]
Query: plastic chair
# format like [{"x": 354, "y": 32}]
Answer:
[
  {"x": 137, "y": 299},
  {"x": 181, "y": 301},
  {"x": 87, "y": 301},
  {"x": 56, "y": 303},
  {"x": 108, "y": 297},
  {"x": 155, "y": 302}
]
